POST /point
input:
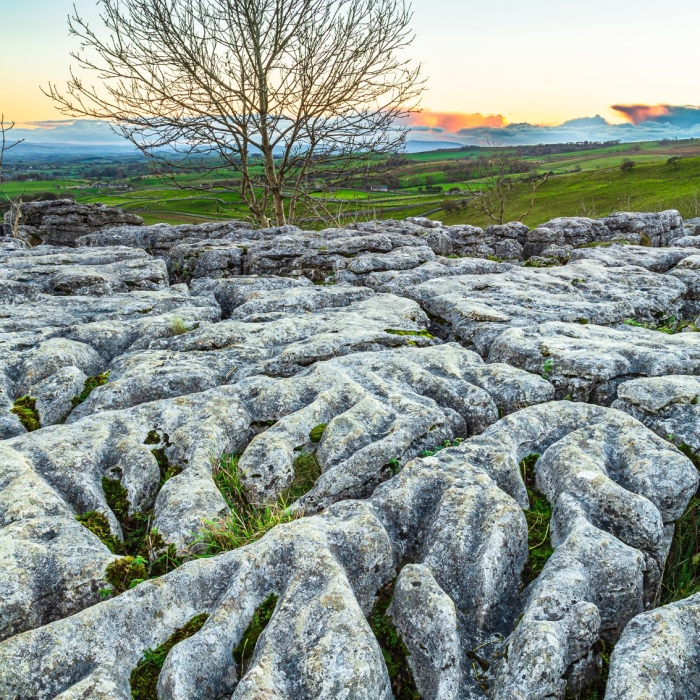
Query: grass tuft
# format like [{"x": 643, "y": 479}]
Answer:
[
  {"x": 538, "y": 518},
  {"x": 178, "y": 326},
  {"x": 393, "y": 649},
  {"x": 25, "y": 409},
  {"x": 144, "y": 678},
  {"x": 243, "y": 653},
  {"x": 247, "y": 522}
]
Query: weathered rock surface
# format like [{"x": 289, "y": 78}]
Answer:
[
  {"x": 66, "y": 271},
  {"x": 353, "y": 548},
  {"x": 62, "y": 221},
  {"x": 147, "y": 385},
  {"x": 477, "y": 308},
  {"x": 587, "y": 362},
  {"x": 658, "y": 655}
]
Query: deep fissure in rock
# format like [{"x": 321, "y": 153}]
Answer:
[
  {"x": 144, "y": 678},
  {"x": 243, "y": 653},
  {"x": 538, "y": 517},
  {"x": 393, "y": 649}
]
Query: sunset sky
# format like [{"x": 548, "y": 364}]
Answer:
[{"x": 545, "y": 61}]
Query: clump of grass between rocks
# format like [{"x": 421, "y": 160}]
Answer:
[
  {"x": 393, "y": 649},
  {"x": 538, "y": 519},
  {"x": 144, "y": 678},
  {"x": 25, "y": 409},
  {"x": 247, "y": 522}
]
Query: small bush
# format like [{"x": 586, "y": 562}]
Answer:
[{"x": 178, "y": 326}]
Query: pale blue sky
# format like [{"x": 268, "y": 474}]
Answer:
[{"x": 541, "y": 61}]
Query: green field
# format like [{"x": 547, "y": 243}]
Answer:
[{"x": 581, "y": 183}]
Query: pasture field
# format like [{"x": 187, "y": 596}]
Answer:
[{"x": 585, "y": 181}]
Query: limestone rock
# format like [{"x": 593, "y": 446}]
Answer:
[
  {"x": 586, "y": 362},
  {"x": 62, "y": 221}
]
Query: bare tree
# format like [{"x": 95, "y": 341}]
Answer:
[
  {"x": 502, "y": 171},
  {"x": 15, "y": 206},
  {"x": 296, "y": 96},
  {"x": 5, "y": 143}
]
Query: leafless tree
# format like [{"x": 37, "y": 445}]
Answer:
[
  {"x": 502, "y": 171},
  {"x": 6, "y": 144},
  {"x": 296, "y": 96}
]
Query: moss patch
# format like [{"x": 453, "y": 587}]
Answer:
[
  {"x": 167, "y": 470},
  {"x": 317, "y": 432},
  {"x": 422, "y": 334},
  {"x": 143, "y": 546},
  {"x": 98, "y": 524},
  {"x": 538, "y": 518},
  {"x": 125, "y": 573},
  {"x": 393, "y": 649},
  {"x": 144, "y": 678},
  {"x": 243, "y": 653},
  {"x": 90, "y": 384},
  {"x": 25, "y": 409},
  {"x": 682, "y": 573},
  {"x": 306, "y": 473}
]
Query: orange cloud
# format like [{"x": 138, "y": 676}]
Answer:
[
  {"x": 454, "y": 121},
  {"x": 636, "y": 114}
]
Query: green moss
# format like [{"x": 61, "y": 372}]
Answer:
[
  {"x": 306, "y": 473},
  {"x": 144, "y": 678},
  {"x": 538, "y": 518},
  {"x": 422, "y": 334},
  {"x": 392, "y": 646},
  {"x": 98, "y": 524},
  {"x": 126, "y": 572},
  {"x": 90, "y": 384},
  {"x": 317, "y": 432},
  {"x": 25, "y": 409},
  {"x": 167, "y": 470},
  {"x": 140, "y": 541},
  {"x": 243, "y": 653}
]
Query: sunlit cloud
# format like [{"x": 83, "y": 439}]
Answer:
[
  {"x": 452, "y": 122},
  {"x": 678, "y": 115}
]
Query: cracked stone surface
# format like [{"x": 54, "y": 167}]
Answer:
[
  {"x": 477, "y": 308},
  {"x": 372, "y": 348},
  {"x": 345, "y": 554},
  {"x": 587, "y": 362}
]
